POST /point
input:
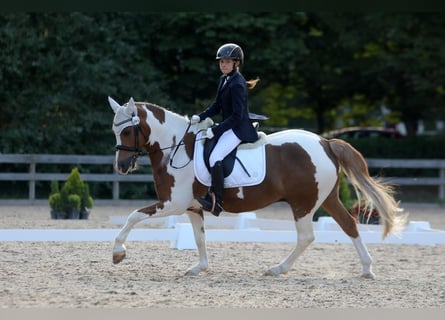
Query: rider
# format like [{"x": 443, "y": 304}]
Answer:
[{"x": 231, "y": 101}]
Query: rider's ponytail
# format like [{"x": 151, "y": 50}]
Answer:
[{"x": 252, "y": 83}]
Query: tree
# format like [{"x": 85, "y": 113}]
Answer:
[
  {"x": 59, "y": 70},
  {"x": 404, "y": 59}
]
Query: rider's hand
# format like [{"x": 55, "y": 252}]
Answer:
[
  {"x": 209, "y": 133},
  {"x": 195, "y": 119}
]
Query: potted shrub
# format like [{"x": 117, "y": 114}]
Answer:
[
  {"x": 55, "y": 204},
  {"x": 86, "y": 202},
  {"x": 73, "y": 200},
  {"x": 73, "y": 206}
]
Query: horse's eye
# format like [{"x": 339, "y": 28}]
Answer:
[{"x": 126, "y": 132}]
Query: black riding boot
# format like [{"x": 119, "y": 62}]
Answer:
[{"x": 213, "y": 200}]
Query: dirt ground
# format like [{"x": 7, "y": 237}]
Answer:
[{"x": 81, "y": 274}]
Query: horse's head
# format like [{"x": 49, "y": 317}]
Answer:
[{"x": 130, "y": 138}]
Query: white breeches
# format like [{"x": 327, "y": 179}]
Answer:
[{"x": 226, "y": 143}]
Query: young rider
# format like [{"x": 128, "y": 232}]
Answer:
[{"x": 231, "y": 101}]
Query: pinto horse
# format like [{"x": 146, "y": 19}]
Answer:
[{"x": 302, "y": 169}]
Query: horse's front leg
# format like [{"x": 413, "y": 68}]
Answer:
[
  {"x": 119, "y": 250},
  {"x": 197, "y": 219}
]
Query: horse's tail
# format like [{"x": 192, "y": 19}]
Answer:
[{"x": 375, "y": 193}]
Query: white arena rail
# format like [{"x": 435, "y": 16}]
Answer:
[{"x": 243, "y": 228}]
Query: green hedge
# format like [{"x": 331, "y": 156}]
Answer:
[{"x": 422, "y": 147}]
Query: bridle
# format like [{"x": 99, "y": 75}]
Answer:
[
  {"x": 135, "y": 120},
  {"x": 137, "y": 128}
]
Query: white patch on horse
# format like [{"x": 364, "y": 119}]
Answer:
[{"x": 240, "y": 193}]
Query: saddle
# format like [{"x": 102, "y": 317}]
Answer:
[
  {"x": 229, "y": 161},
  {"x": 244, "y": 166}
]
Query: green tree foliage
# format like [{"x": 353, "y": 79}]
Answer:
[
  {"x": 401, "y": 62},
  {"x": 58, "y": 71},
  {"x": 315, "y": 68}
]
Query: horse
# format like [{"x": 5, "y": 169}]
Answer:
[{"x": 303, "y": 169}]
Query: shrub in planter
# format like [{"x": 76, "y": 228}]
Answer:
[
  {"x": 56, "y": 206},
  {"x": 73, "y": 206},
  {"x": 73, "y": 200},
  {"x": 86, "y": 202}
]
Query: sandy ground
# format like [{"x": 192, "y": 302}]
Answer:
[{"x": 81, "y": 274}]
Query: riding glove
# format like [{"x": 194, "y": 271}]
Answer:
[
  {"x": 209, "y": 133},
  {"x": 195, "y": 119}
]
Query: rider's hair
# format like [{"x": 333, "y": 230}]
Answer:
[{"x": 252, "y": 83}]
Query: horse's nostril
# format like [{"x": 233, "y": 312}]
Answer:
[{"x": 123, "y": 166}]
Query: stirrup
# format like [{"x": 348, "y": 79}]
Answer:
[
  {"x": 206, "y": 202},
  {"x": 209, "y": 204}
]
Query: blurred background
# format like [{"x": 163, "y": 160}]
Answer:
[{"x": 376, "y": 72}]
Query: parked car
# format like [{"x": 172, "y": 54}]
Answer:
[{"x": 363, "y": 132}]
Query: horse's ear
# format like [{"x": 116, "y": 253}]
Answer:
[
  {"x": 113, "y": 104},
  {"x": 131, "y": 107}
]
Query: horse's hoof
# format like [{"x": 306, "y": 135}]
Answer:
[
  {"x": 118, "y": 257},
  {"x": 275, "y": 271},
  {"x": 370, "y": 276},
  {"x": 194, "y": 271},
  {"x": 191, "y": 273},
  {"x": 271, "y": 273}
]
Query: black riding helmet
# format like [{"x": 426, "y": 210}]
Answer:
[{"x": 230, "y": 51}]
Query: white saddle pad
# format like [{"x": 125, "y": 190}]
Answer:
[{"x": 252, "y": 155}]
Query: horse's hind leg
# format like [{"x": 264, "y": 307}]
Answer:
[
  {"x": 119, "y": 250},
  {"x": 348, "y": 224},
  {"x": 305, "y": 236},
  {"x": 197, "y": 221}
]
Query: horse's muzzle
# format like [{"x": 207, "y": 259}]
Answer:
[{"x": 125, "y": 165}]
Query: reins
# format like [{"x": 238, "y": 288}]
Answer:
[
  {"x": 138, "y": 152},
  {"x": 181, "y": 142}
]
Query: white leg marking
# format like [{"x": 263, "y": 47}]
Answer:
[
  {"x": 365, "y": 258},
  {"x": 119, "y": 249},
  {"x": 200, "y": 239},
  {"x": 305, "y": 236}
]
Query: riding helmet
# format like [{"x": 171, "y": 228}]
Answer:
[{"x": 230, "y": 51}]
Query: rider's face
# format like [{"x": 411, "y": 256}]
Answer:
[{"x": 226, "y": 65}]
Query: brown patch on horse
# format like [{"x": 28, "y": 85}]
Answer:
[
  {"x": 303, "y": 189},
  {"x": 163, "y": 181},
  {"x": 290, "y": 177},
  {"x": 145, "y": 129},
  {"x": 158, "y": 112},
  {"x": 189, "y": 144},
  {"x": 199, "y": 190},
  {"x": 151, "y": 210}
]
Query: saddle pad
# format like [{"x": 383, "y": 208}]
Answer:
[{"x": 253, "y": 159}]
